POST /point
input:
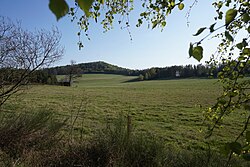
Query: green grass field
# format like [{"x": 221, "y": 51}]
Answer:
[{"x": 168, "y": 109}]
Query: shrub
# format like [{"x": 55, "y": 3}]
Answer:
[
  {"x": 33, "y": 140},
  {"x": 24, "y": 133},
  {"x": 117, "y": 145},
  {"x": 113, "y": 146},
  {"x": 122, "y": 147}
]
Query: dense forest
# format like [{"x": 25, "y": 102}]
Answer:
[
  {"x": 188, "y": 71},
  {"x": 10, "y": 75}
]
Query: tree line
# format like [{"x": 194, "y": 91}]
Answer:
[
  {"x": 36, "y": 77},
  {"x": 101, "y": 67},
  {"x": 181, "y": 71},
  {"x": 187, "y": 71},
  {"x": 48, "y": 75}
]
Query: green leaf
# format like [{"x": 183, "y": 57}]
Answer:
[
  {"x": 97, "y": 8},
  {"x": 85, "y": 5},
  {"x": 244, "y": 42},
  {"x": 246, "y": 4},
  {"x": 246, "y": 156},
  {"x": 198, "y": 53},
  {"x": 199, "y": 31},
  {"x": 241, "y": 58},
  {"x": 211, "y": 28},
  {"x": 101, "y": 1},
  {"x": 195, "y": 52},
  {"x": 235, "y": 147},
  {"x": 239, "y": 45},
  {"x": 246, "y": 51},
  {"x": 181, "y": 6},
  {"x": 163, "y": 24},
  {"x": 172, "y": 3},
  {"x": 228, "y": 36},
  {"x": 245, "y": 17},
  {"x": 248, "y": 136},
  {"x": 220, "y": 4},
  {"x": 220, "y": 15},
  {"x": 228, "y": 3},
  {"x": 59, "y": 7},
  {"x": 190, "y": 51},
  {"x": 220, "y": 75},
  {"x": 230, "y": 15},
  {"x": 155, "y": 23}
]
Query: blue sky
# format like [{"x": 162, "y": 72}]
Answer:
[{"x": 149, "y": 48}]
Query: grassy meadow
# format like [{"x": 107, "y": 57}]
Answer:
[{"x": 167, "y": 109}]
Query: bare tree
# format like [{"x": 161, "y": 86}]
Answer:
[
  {"x": 22, "y": 52},
  {"x": 73, "y": 71}
]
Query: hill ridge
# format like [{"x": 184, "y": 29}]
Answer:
[{"x": 95, "y": 67}]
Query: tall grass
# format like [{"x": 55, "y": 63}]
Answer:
[
  {"x": 127, "y": 148},
  {"x": 35, "y": 140},
  {"x": 25, "y": 134}
]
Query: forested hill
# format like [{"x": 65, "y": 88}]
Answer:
[
  {"x": 94, "y": 68},
  {"x": 187, "y": 71}
]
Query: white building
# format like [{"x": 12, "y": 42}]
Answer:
[{"x": 177, "y": 74}]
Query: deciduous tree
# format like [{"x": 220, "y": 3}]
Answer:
[{"x": 22, "y": 52}]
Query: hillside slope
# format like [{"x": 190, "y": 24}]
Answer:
[{"x": 99, "y": 67}]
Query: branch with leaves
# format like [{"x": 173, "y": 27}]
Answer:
[
  {"x": 106, "y": 12},
  {"x": 233, "y": 55}
]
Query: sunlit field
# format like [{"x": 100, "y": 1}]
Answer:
[{"x": 168, "y": 109}]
